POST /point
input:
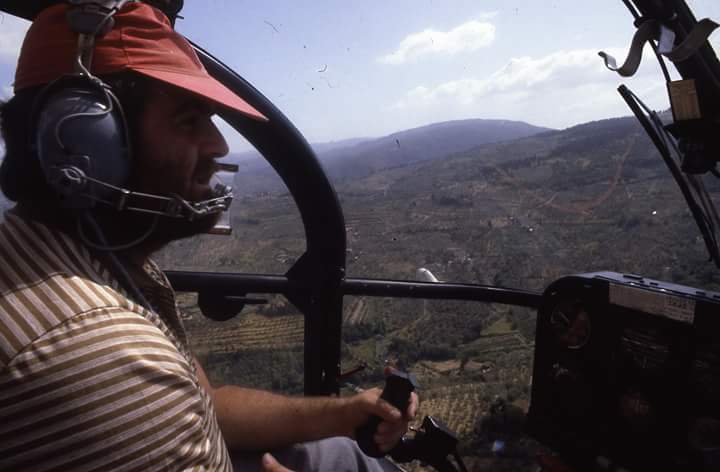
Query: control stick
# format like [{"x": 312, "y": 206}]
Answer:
[{"x": 398, "y": 388}]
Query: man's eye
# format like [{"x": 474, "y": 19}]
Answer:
[{"x": 187, "y": 121}]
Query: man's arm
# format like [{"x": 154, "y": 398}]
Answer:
[{"x": 258, "y": 420}]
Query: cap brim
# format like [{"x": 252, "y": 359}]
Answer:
[{"x": 206, "y": 87}]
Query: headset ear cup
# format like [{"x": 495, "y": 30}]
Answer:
[{"x": 80, "y": 136}]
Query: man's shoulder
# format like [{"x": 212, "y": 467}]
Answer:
[
  {"x": 101, "y": 389},
  {"x": 47, "y": 279},
  {"x": 32, "y": 250}
]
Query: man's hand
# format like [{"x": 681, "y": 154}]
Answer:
[
  {"x": 393, "y": 425},
  {"x": 269, "y": 464},
  {"x": 257, "y": 420}
]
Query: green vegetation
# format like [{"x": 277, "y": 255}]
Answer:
[
  {"x": 501, "y": 326},
  {"x": 516, "y": 214}
]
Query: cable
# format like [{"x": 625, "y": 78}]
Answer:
[
  {"x": 658, "y": 134},
  {"x": 632, "y": 9},
  {"x": 661, "y": 61},
  {"x": 120, "y": 271},
  {"x": 109, "y": 15},
  {"x": 709, "y": 214},
  {"x": 109, "y": 110},
  {"x": 460, "y": 463},
  {"x": 103, "y": 246}
]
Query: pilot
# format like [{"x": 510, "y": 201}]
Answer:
[{"x": 96, "y": 371}]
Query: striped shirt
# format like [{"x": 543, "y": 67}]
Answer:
[{"x": 90, "y": 380}]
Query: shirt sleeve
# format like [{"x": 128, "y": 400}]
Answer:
[{"x": 102, "y": 391}]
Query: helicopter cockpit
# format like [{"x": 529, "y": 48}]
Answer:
[{"x": 581, "y": 369}]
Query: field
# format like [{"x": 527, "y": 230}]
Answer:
[
  {"x": 266, "y": 352},
  {"x": 518, "y": 214},
  {"x": 250, "y": 333}
]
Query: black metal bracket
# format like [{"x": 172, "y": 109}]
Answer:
[
  {"x": 315, "y": 279},
  {"x": 314, "y": 295}
]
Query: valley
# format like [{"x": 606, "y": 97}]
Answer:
[{"x": 519, "y": 213}]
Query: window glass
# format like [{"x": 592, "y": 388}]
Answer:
[
  {"x": 468, "y": 142},
  {"x": 267, "y": 232},
  {"x": 260, "y": 348},
  {"x": 473, "y": 362},
  {"x": 488, "y": 145}
]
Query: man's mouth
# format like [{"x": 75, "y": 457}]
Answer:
[{"x": 204, "y": 175}]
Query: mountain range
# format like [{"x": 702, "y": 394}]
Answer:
[
  {"x": 556, "y": 196},
  {"x": 517, "y": 213},
  {"x": 360, "y": 157}
]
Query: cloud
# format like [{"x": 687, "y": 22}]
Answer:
[
  {"x": 559, "y": 89},
  {"x": 467, "y": 37},
  {"x": 12, "y": 32},
  {"x": 559, "y": 69},
  {"x": 488, "y": 15}
]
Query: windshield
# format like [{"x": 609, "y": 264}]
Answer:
[
  {"x": 486, "y": 145},
  {"x": 475, "y": 142}
]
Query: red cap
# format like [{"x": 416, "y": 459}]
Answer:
[{"x": 142, "y": 40}]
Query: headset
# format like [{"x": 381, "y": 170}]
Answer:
[{"x": 80, "y": 137}]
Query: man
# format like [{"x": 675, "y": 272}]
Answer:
[{"x": 95, "y": 369}]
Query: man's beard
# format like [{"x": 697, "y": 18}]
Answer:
[
  {"x": 171, "y": 229},
  {"x": 152, "y": 232}
]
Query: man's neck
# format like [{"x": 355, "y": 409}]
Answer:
[
  {"x": 117, "y": 230},
  {"x": 120, "y": 228}
]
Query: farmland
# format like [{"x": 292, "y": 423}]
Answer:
[{"x": 516, "y": 214}]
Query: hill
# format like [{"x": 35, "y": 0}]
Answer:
[
  {"x": 518, "y": 213},
  {"x": 557, "y": 192},
  {"x": 426, "y": 143},
  {"x": 358, "y": 158}
]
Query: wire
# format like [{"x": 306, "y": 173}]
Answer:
[
  {"x": 120, "y": 272},
  {"x": 690, "y": 190},
  {"x": 632, "y": 9},
  {"x": 709, "y": 214},
  {"x": 460, "y": 463},
  {"x": 702, "y": 197},
  {"x": 661, "y": 61},
  {"x": 103, "y": 245},
  {"x": 109, "y": 15},
  {"x": 110, "y": 107}
]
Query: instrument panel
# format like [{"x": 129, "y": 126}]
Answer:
[{"x": 627, "y": 374}]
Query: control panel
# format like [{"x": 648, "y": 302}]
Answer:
[{"x": 627, "y": 374}]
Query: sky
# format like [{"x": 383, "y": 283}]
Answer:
[{"x": 369, "y": 68}]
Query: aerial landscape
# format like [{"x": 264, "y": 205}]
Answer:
[
  {"x": 468, "y": 143},
  {"x": 519, "y": 211},
  {"x": 489, "y": 202}
]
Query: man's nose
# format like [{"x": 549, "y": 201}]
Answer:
[{"x": 214, "y": 145}]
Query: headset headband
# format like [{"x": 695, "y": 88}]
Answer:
[{"x": 91, "y": 19}]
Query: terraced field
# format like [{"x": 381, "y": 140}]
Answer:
[
  {"x": 250, "y": 332},
  {"x": 357, "y": 312},
  {"x": 499, "y": 343},
  {"x": 458, "y": 406}
]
